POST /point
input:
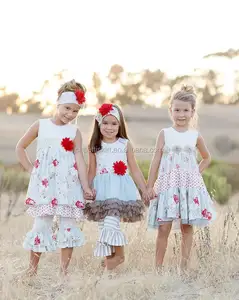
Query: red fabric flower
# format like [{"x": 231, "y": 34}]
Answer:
[
  {"x": 105, "y": 109},
  {"x": 67, "y": 144},
  {"x": 120, "y": 167},
  {"x": 80, "y": 96}
]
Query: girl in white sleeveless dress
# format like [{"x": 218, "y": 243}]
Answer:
[
  {"x": 55, "y": 187},
  {"x": 117, "y": 198},
  {"x": 179, "y": 187}
]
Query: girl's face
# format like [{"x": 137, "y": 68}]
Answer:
[
  {"x": 181, "y": 113},
  {"x": 109, "y": 127},
  {"x": 67, "y": 112}
]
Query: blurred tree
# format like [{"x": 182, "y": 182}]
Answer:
[{"x": 230, "y": 54}]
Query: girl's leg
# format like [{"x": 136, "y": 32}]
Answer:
[
  {"x": 39, "y": 240},
  {"x": 187, "y": 240},
  {"x": 161, "y": 243},
  {"x": 68, "y": 237},
  {"x": 66, "y": 254},
  {"x": 116, "y": 259},
  {"x": 113, "y": 236}
]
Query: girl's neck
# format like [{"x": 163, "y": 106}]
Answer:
[
  {"x": 109, "y": 141},
  {"x": 57, "y": 121},
  {"x": 180, "y": 128}
]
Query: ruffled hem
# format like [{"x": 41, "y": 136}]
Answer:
[
  {"x": 39, "y": 242},
  {"x": 190, "y": 206},
  {"x": 103, "y": 250},
  {"x": 70, "y": 237},
  {"x": 65, "y": 211},
  {"x": 112, "y": 237},
  {"x": 129, "y": 211}
]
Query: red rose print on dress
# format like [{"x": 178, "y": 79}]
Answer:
[
  {"x": 177, "y": 166},
  {"x": 45, "y": 182},
  {"x": 196, "y": 201},
  {"x": 68, "y": 229},
  {"x": 55, "y": 162},
  {"x": 36, "y": 163},
  {"x": 37, "y": 241},
  {"x": 75, "y": 166},
  {"x": 104, "y": 171},
  {"x": 176, "y": 198},
  {"x": 54, "y": 202},
  {"x": 30, "y": 201},
  {"x": 206, "y": 214},
  {"x": 79, "y": 204}
]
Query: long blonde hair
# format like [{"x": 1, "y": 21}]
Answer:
[{"x": 187, "y": 94}]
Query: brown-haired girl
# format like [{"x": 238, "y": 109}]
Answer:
[
  {"x": 117, "y": 198},
  {"x": 175, "y": 182}
]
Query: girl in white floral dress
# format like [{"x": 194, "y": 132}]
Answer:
[
  {"x": 179, "y": 188},
  {"x": 55, "y": 187}
]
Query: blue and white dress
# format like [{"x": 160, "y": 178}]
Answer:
[{"x": 117, "y": 197}]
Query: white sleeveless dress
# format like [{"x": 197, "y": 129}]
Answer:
[
  {"x": 54, "y": 187},
  {"x": 181, "y": 192}
]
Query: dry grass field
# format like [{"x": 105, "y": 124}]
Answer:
[{"x": 214, "y": 266}]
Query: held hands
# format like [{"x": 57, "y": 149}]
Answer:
[
  {"x": 89, "y": 194},
  {"x": 148, "y": 195}
]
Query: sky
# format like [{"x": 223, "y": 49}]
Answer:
[{"x": 40, "y": 38}]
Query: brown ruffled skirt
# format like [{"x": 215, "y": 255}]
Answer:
[{"x": 127, "y": 211}]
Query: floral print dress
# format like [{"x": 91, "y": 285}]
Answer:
[
  {"x": 181, "y": 192},
  {"x": 54, "y": 187},
  {"x": 54, "y": 190}
]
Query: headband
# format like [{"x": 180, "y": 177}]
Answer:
[
  {"x": 106, "y": 110},
  {"x": 77, "y": 97}
]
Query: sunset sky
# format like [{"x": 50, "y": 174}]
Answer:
[{"x": 40, "y": 38}]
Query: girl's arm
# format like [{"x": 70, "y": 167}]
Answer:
[
  {"x": 80, "y": 162},
  {"x": 154, "y": 166},
  {"x": 23, "y": 143},
  {"x": 91, "y": 167},
  {"x": 134, "y": 168},
  {"x": 206, "y": 157}
]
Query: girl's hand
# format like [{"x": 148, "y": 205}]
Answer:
[
  {"x": 145, "y": 197},
  {"x": 151, "y": 193},
  {"x": 88, "y": 194}
]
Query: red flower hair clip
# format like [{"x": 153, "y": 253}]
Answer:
[
  {"x": 67, "y": 144},
  {"x": 80, "y": 96},
  {"x": 119, "y": 168},
  {"x": 105, "y": 109}
]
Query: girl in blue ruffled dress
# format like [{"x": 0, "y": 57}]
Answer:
[{"x": 116, "y": 195}]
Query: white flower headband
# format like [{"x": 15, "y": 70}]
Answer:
[
  {"x": 77, "y": 97},
  {"x": 106, "y": 110}
]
